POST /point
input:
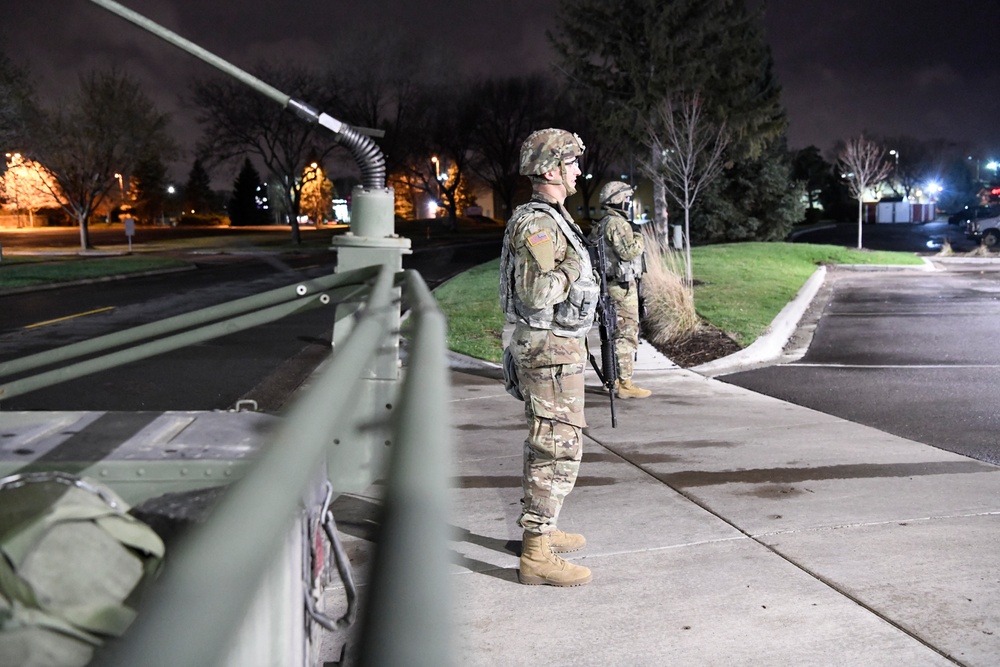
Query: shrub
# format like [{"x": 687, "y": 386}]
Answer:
[
  {"x": 670, "y": 313},
  {"x": 202, "y": 220}
]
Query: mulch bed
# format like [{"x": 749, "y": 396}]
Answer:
[{"x": 706, "y": 344}]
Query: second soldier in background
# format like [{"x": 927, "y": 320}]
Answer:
[{"x": 624, "y": 273}]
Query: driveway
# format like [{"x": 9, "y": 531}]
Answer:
[{"x": 912, "y": 353}]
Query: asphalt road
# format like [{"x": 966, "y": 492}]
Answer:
[
  {"x": 265, "y": 363},
  {"x": 926, "y": 238},
  {"x": 911, "y": 353}
]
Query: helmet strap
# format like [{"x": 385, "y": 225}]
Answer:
[{"x": 570, "y": 190}]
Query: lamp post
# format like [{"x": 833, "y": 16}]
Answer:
[
  {"x": 121, "y": 190},
  {"x": 437, "y": 174},
  {"x": 977, "y": 169},
  {"x": 895, "y": 169}
]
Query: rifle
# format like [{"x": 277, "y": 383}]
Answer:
[{"x": 607, "y": 319}]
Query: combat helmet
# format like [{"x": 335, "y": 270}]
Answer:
[
  {"x": 616, "y": 195},
  {"x": 545, "y": 150}
]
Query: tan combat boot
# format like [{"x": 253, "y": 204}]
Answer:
[
  {"x": 561, "y": 543},
  {"x": 625, "y": 389},
  {"x": 540, "y": 566}
]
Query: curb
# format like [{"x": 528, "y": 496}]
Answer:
[
  {"x": 91, "y": 281},
  {"x": 770, "y": 345}
]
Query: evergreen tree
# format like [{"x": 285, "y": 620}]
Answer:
[
  {"x": 758, "y": 200},
  {"x": 149, "y": 181},
  {"x": 243, "y": 206},
  {"x": 624, "y": 57},
  {"x": 198, "y": 195},
  {"x": 811, "y": 171}
]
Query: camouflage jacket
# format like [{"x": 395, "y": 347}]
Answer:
[
  {"x": 547, "y": 282},
  {"x": 625, "y": 247}
]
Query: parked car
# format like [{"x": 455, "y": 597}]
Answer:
[
  {"x": 985, "y": 230},
  {"x": 972, "y": 213}
]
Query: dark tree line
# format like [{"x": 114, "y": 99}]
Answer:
[{"x": 618, "y": 61}]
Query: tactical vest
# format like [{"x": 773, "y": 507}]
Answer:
[
  {"x": 571, "y": 318},
  {"x": 620, "y": 270}
]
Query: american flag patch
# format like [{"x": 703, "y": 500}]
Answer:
[{"x": 540, "y": 237}]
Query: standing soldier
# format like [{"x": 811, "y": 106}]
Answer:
[
  {"x": 549, "y": 292},
  {"x": 624, "y": 271}
]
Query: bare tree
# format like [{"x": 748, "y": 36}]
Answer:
[
  {"x": 687, "y": 155},
  {"x": 236, "y": 120},
  {"x": 438, "y": 156},
  {"x": 512, "y": 109},
  {"x": 105, "y": 130},
  {"x": 863, "y": 164}
]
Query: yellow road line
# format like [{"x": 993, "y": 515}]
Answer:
[{"x": 68, "y": 317}]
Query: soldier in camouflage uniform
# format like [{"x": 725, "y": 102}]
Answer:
[
  {"x": 625, "y": 248},
  {"x": 549, "y": 291}
]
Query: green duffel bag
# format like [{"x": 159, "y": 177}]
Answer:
[{"x": 72, "y": 564}]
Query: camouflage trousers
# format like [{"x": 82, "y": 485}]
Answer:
[
  {"x": 626, "y": 300},
  {"x": 553, "y": 406}
]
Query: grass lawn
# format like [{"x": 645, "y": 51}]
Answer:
[
  {"x": 739, "y": 287},
  {"x": 29, "y": 271}
]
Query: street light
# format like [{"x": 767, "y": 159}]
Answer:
[
  {"x": 121, "y": 187},
  {"x": 437, "y": 175},
  {"x": 977, "y": 168},
  {"x": 895, "y": 169}
]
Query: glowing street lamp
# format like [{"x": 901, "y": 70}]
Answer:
[
  {"x": 121, "y": 187},
  {"x": 933, "y": 190}
]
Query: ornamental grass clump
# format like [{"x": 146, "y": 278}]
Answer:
[{"x": 670, "y": 313}]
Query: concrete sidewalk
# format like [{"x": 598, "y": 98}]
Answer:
[{"x": 727, "y": 528}]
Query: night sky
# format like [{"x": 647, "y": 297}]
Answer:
[{"x": 924, "y": 68}]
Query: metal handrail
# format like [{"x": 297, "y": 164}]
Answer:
[
  {"x": 199, "y": 603},
  {"x": 351, "y": 283},
  {"x": 412, "y": 558}
]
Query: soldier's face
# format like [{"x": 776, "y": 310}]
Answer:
[{"x": 572, "y": 172}]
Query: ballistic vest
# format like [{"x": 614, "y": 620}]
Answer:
[{"x": 570, "y": 318}]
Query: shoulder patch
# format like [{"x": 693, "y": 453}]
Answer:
[{"x": 540, "y": 237}]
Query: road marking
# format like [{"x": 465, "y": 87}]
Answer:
[{"x": 68, "y": 317}]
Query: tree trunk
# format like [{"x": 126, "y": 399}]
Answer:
[
  {"x": 293, "y": 221},
  {"x": 84, "y": 233},
  {"x": 687, "y": 245},
  {"x": 660, "y": 223},
  {"x": 860, "y": 209}
]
